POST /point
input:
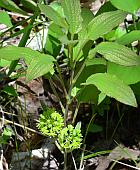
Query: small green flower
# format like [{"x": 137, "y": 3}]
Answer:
[
  {"x": 70, "y": 138},
  {"x": 50, "y": 123}
]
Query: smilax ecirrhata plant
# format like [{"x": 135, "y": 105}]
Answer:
[{"x": 95, "y": 68}]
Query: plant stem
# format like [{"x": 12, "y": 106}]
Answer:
[
  {"x": 81, "y": 47},
  {"x": 82, "y": 157},
  {"x": 66, "y": 114},
  {"x": 126, "y": 27},
  {"x": 93, "y": 117},
  {"x": 68, "y": 98},
  {"x": 54, "y": 91},
  {"x": 134, "y": 21},
  {"x": 75, "y": 113},
  {"x": 79, "y": 72},
  {"x": 65, "y": 160},
  {"x": 74, "y": 161},
  {"x": 61, "y": 79},
  {"x": 73, "y": 79}
]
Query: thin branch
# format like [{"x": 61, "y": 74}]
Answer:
[
  {"x": 130, "y": 166},
  {"x": 74, "y": 161},
  {"x": 56, "y": 94},
  {"x": 22, "y": 126}
]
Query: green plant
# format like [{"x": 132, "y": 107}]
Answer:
[
  {"x": 5, "y": 136},
  {"x": 93, "y": 66}
]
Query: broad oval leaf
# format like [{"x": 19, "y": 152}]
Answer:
[
  {"x": 113, "y": 87},
  {"x": 129, "y": 75},
  {"x": 104, "y": 23},
  {"x": 72, "y": 11},
  {"x": 38, "y": 64},
  {"x": 10, "y": 5},
  {"x": 57, "y": 7},
  {"x": 88, "y": 71},
  {"x": 87, "y": 16},
  {"x": 53, "y": 15},
  {"x": 88, "y": 94},
  {"x": 127, "y": 5},
  {"x": 12, "y": 53},
  {"x": 129, "y": 37},
  {"x": 5, "y": 19},
  {"x": 118, "y": 54},
  {"x": 38, "y": 67}
]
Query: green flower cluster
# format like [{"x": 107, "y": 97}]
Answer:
[
  {"x": 70, "y": 138},
  {"x": 67, "y": 138},
  {"x": 50, "y": 123}
]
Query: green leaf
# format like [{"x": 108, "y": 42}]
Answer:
[
  {"x": 129, "y": 37},
  {"x": 136, "y": 90},
  {"x": 113, "y": 87},
  {"x": 101, "y": 97},
  {"x": 38, "y": 64},
  {"x": 72, "y": 11},
  {"x": 10, "y": 91},
  {"x": 53, "y": 15},
  {"x": 104, "y": 23},
  {"x": 78, "y": 126},
  {"x": 38, "y": 67},
  {"x": 88, "y": 94},
  {"x": 11, "y": 53},
  {"x": 29, "y": 4},
  {"x": 118, "y": 54},
  {"x": 6, "y": 134},
  {"x": 74, "y": 91},
  {"x": 10, "y": 5},
  {"x": 87, "y": 16},
  {"x": 94, "y": 128},
  {"x": 57, "y": 7},
  {"x": 5, "y": 19},
  {"x": 115, "y": 34},
  {"x": 88, "y": 71},
  {"x": 127, "y": 5},
  {"x": 95, "y": 154},
  {"x": 4, "y": 63},
  {"x": 106, "y": 7},
  {"x": 53, "y": 45},
  {"x": 96, "y": 61},
  {"x": 55, "y": 30},
  {"x": 130, "y": 75}
]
